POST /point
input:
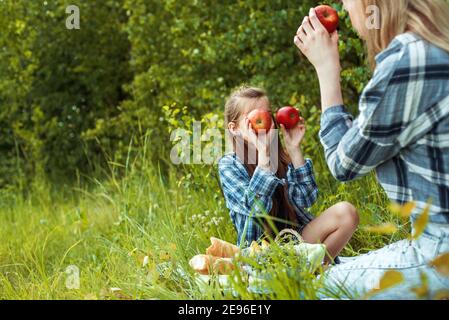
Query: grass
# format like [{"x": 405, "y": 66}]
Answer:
[
  {"x": 120, "y": 231},
  {"x": 130, "y": 232}
]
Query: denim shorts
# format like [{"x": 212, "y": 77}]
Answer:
[{"x": 354, "y": 277}]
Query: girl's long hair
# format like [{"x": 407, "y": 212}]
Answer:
[
  {"x": 427, "y": 18},
  {"x": 283, "y": 212}
]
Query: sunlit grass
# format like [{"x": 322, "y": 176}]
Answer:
[{"x": 132, "y": 234}]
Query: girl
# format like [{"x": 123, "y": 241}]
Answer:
[
  {"x": 251, "y": 188},
  {"x": 402, "y": 130}
]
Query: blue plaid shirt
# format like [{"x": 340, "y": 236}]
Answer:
[
  {"x": 249, "y": 198},
  {"x": 402, "y": 131}
]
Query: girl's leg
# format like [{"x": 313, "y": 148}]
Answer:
[{"x": 334, "y": 228}]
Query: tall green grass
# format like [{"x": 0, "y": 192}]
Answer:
[{"x": 135, "y": 228}]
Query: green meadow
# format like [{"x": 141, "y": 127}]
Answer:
[{"x": 91, "y": 206}]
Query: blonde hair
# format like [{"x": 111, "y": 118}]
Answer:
[{"x": 429, "y": 19}]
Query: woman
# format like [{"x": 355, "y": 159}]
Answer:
[{"x": 402, "y": 131}]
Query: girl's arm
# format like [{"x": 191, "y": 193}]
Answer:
[
  {"x": 249, "y": 198},
  {"x": 244, "y": 194},
  {"x": 302, "y": 188}
]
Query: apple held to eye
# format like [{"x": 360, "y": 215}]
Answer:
[
  {"x": 328, "y": 17},
  {"x": 260, "y": 120},
  {"x": 288, "y": 116}
]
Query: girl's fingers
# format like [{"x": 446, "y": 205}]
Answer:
[
  {"x": 314, "y": 21},
  {"x": 251, "y": 131},
  {"x": 285, "y": 132},
  {"x": 307, "y": 26},
  {"x": 272, "y": 132},
  {"x": 248, "y": 125},
  {"x": 282, "y": 129},
  {"x": 245, "y": 127}
]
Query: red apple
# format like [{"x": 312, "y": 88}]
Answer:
[
  {"x": 328, "y": 17},
  {"x": 260, "y": 120},
  {"x": 288, "y": 116}
]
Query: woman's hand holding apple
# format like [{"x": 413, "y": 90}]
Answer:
[
  {"x": 321, "y": 49},
  {"x": 315, "y": 43}
]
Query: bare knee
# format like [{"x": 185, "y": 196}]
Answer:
[{"x": 347, "y": 214}]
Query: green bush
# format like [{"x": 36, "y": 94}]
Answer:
[
  {"x": 195, "y": 52},
  {"x": 71, "y": 99},
  {"x": 57, "y": 82}
]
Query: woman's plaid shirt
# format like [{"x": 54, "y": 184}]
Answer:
[
  {"x": 402, "y": 131},
  {"x": 248, "y": 198}
]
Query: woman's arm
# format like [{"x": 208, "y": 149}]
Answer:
[
  {"x": 322, "y": 51},
  {"x": 389, "y": 118},
  {"x": 353, "y": 148}
]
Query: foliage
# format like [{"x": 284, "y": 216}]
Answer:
[
  {"x": 195, "y": 52},
  {"x": 57, "y": 82},
  {"x": 62, "y": 98}
]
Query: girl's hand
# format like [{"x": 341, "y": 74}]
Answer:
[
  {"x": 315, "y": 43},
  {"x": 293, "y": 137},
  {"x": 262, "y": 141}
]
